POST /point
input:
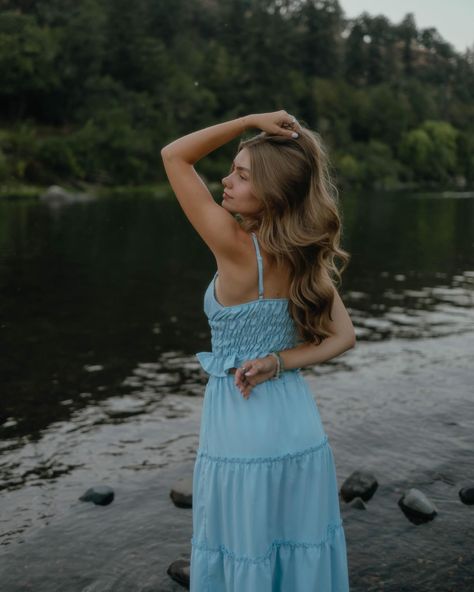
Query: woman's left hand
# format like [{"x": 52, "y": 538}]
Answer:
[
  {"x": 276, "y": 122},
  {"x": 256, "y": 371}
]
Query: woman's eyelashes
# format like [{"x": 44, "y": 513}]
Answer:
[{"x": 243, "y": 178}]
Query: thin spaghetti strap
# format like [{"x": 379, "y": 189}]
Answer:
[{"x": 260, "y": 267}]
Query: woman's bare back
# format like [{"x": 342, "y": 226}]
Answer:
[{"x": 237, "y": 282}]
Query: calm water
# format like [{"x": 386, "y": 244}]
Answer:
[{"x": 100, "y": 316}]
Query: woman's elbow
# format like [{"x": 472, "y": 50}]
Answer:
[
  {"x": 165, "y": 152},
  {"x": 345, "y": 340},
  {"x": 350, "y": 340}
]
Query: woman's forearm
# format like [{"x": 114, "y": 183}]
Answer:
[
  {"x": 196, "y": 145},
  {"x": 308, "y": 354}
]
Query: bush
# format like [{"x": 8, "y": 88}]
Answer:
[
  {"x": 369, "y": 165},
  {"x": 56, "y": 155},
  {"x": 431, "y": 151}
]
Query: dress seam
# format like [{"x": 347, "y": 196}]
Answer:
[
  {"x": 331, "y": 530},
  {"x": 262, "y": 459}
]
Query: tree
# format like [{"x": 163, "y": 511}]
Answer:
[
  {"x": 355, "y": 55},
  {"x": 321, "y": 47},
  {"x": 27, "y": 58},
  {"x": 431, "y": 150}
]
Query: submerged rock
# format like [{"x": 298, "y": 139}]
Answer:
[
  {"x": 179, "y": 571},
  {"x": 358, "y": 503},
  {"x": 100, "y": 495},
  {"x": 361, "y": 484},
  {"x": 417, "y": 507},
  {"x": 467, "y": 495},
  {"x": 182, "y": 492}
]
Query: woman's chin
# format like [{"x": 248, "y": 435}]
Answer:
[{"x": 226, "y": 203}]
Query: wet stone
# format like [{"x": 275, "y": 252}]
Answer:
[
  {"x": 358, "y": 503},
  {"x": 100, "y": 495},
  {"x": 417, "y": 507},
  {"x": 361, "y": 484},
  {"x": 467, "y": 495},
  {"x": 182, "y": 492},
  {"x": 179, "y": 571}
]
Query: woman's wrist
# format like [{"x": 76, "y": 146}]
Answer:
[
  {"x": 247, "y": 122},
  {"x": 276, "y": 364},
  {"x": 283, "y": 363}
]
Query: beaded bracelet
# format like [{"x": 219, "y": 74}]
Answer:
[{"x": 280, "y": 367}]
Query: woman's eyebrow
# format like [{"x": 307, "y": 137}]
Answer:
[{"x": 240, "y": 167}]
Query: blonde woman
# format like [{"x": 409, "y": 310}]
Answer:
[{"x": 266, "y": 514}]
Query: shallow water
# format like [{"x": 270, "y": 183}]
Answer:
[{"x": 101, "y": 312}]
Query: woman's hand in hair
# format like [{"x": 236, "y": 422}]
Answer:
[
  {"x": 276, "y": 123},
  {"x": 256, "y": 371}
]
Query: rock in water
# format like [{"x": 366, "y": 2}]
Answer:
[
  {"x": 359, "y": 484},
  {"x": 182, "y": 492},
  {"x": 417, "y": 507},
  {"x": 101, "y": 495},
  {"x": 56, "y": 196},
  {"x": 358, "y": 503},
  {"x": 179, "y": 571},
  {"x": 467, "y": 495}
]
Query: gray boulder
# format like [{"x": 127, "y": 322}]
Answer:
[
  {"x": 358, "y": 503},
  {"x": 467, "y": 495},
  {"x": 56, "y": 195},
  {"x": 361, "y": 484},
  {"x": 180, "y": 572},
  {"x": 417, "y": 507},
  {"x": 100, "y": 495},
  {"x": 182, "y": 492}
]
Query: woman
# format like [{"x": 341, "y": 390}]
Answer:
[{"x": 266, "y": 512}]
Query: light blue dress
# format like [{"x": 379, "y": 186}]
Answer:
[{"x": 266, "y": 514}]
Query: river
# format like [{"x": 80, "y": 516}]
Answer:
[{"x": 101, "y": 315}]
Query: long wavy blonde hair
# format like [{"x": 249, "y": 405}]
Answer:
[{"x": 299, "y": 223}]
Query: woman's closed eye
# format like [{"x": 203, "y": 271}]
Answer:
[{"x": 232, "y": 168}]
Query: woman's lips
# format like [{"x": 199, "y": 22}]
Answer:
[{"x": 226, "y": 195}]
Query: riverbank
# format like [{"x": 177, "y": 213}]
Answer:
[
  {"x": 23, "y": 191},
  {"x": 16, "y": 191}
]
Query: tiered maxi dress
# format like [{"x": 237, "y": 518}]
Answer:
[{"x": 266, "y": 514}]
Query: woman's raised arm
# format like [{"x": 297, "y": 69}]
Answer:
[{"x": 216, "y": 226}]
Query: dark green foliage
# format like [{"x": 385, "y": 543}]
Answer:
[
  {"x": 431, "y": 151},
  {"x": 92, "y": 90}
]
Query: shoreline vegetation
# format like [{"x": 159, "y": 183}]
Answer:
[
  {"x": 21, "y": 191},
  {"x": 94, "y": 92}
]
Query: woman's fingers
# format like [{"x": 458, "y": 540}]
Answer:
[
  {"x": 242, "y": 382},
  {"x": 288, "y": 128},
  {"x": 279, "y": 123},
  {"x": 239, "y": 376},
  {"x": 251, "y": 373},
  {"x": 240, "y": 379}
]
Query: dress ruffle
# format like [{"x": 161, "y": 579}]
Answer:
[
  {"x": 255, "y": 520},
  {"x": 219, "y": 365},
  {"x": 288, "y": 567}
]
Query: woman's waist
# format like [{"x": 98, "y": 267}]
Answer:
[
  {"x": 282, "y": 371},
  {"x": 225, "y": 363}
]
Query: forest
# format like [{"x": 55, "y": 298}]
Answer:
[{"x": 91, "y": 90}]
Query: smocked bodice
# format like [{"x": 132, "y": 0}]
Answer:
[{"x": 245, "y": 331}]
